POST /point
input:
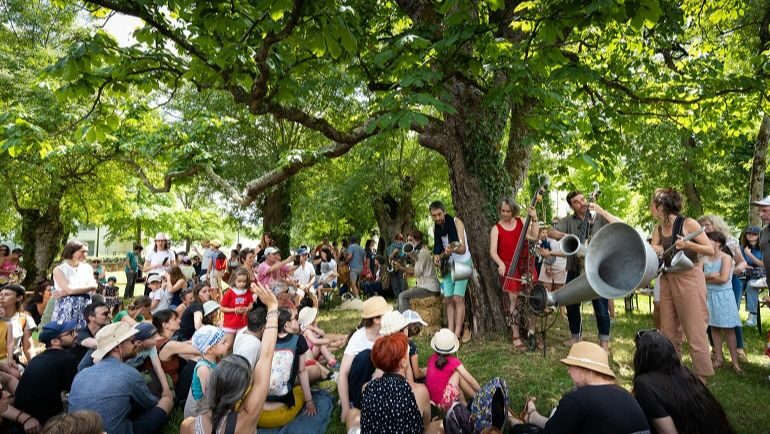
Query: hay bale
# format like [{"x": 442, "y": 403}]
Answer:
[{"x": 431, "y": 309}]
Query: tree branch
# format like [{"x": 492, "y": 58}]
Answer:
[
  {"x": 143, "y": 14},
  {"x": 167, "y": 179}
]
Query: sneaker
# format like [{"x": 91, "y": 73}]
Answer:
[
  {"x": 759, "y": 283},
  {"x": 751, "y": 321}
]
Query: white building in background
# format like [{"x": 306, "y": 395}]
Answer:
[{"x": 96, "y": 239}]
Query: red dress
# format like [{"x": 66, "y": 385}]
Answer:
[{"x": 506, "y": 248}]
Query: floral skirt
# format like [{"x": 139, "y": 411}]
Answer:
[{"x": 70, "y": 308}]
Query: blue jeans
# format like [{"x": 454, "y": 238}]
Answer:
[
  {"x": 738, "y": 292},
  {"x": 600, "y": 311},
  {"x": 752, "y": 298}
]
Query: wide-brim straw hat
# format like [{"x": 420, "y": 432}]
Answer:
[
  {"x": 765, "y": 201},
  {"x": 392, "y": 322},
  {"x": 110, "y": 336},
  {"x": 445, "y": 342},
  {"x": 588, "y": 355},
  {"x": 374, "y": 307}
]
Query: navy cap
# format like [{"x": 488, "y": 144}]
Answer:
[
  {"x": 302, "y": 251},
  {"x": 753, "y": 230},
  {"x": 146, "y": 331},
  {"x": 55, "y": 329}
]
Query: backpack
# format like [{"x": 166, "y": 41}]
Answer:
[
  {"x": 220, "y": 262},
  {"x": 490, "y": 405}
]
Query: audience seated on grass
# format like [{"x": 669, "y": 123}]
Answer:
[
  {"x": 209, "y": 341},
  {"x": 446, "y": 377},
  {"x": 673, "y": 398}
]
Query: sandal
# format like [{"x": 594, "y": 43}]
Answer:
[{"x": 524, "y": 416}]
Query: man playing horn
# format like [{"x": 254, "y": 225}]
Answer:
[
  {"x": 575, "y": 224},
  {"x": 450, "y": 239}
]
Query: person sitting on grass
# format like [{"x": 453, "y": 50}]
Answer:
[
  {"x": 673, "y": 398},
  {"x": 597, "y": 405},
  {"x": 446, "y": 378},
  {"x": 319, "y": 343},
  {"x": 195, "y": 316},
  {"x": 136, "y": 312},
  {"x": 81, "y": 422},
  {"x": 415, "y": 326},
  {"x": 285, "y": 400},
  {"x": 209, "y": 341},
  {"x": 49, "y": 374},
  {"x": 248, "y": 342}
]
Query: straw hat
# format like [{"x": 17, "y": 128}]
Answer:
[
  {"x": 110, "y": 336},
  {"x": 307, "y": 316},
  {"x": 589, "y": 356},
  {"x": 445, "y": 342},
  {"x": 392, "y": 322},
  {"x": 216, "y": 243},
  {"x": 764, "y": 202},
  {"x": 374, "y": 307}
]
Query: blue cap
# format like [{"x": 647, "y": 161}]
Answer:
[
  {"x": 146, "y": 331},
  {"x": 753, "y": 230},
  {"x": 302, "y": 251},
  {"x": 55, "y": 329}
]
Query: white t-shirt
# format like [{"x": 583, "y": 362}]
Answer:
[
  {"x": 157, "y": 258},
  {"x": 161, "y": 295},
  {"x": 248, "y": 346},
  {"x": 358, "y": 342},
  {"x": 209, "y": 255},
  {"x": 305, "y": 274}
]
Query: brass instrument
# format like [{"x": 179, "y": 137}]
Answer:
[
  {"x": 406, "y": 251},
  {"x": 444, "y": 266},
  {"x": 679, "y": 262},
  {"x": 618, "y": 261}
]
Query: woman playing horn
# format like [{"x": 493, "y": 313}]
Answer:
[
  {"x": 504, "y": 238},
  {"x": 682, "y": 294}
]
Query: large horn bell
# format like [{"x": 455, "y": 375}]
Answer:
[
  {"x": 407, "y": 248},
  {"x": 461, "y": 271},
  {"x": 618, "y": 261},
  {"x": 571, "y": 245}
]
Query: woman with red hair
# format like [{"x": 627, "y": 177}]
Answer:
[{"x": 390, "y": 403}]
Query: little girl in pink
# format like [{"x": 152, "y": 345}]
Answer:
[
  {"x": 447, "y": 379},
  {"x": 318, "y": 342}
]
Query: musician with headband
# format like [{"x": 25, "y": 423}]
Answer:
[
  {"x": 451, "y": 241},
  {"x": 586, "y": 219},
  {"x": 503, "y": 239},
  {"x": 683, "y": 293}
]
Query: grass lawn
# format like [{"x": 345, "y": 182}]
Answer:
[{"x": 744, "y": 397}]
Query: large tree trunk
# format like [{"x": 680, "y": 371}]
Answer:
[
  {"x": 394, "y": 213},
  {"x": 758, "y": 167},
  {"x": 276, "y": 215},
  {"x": 469, "y": 143},
  {"x": 519, "y": 151},
  {"x": 42, "y": 235},
  {"x": 694, "y": 201}
]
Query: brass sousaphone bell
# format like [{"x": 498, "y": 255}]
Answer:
[{"x": 618, "y": 260}]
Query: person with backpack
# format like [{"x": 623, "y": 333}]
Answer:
[{"x": 216, "y": 270}]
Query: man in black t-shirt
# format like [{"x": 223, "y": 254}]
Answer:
[
  {"x": 49, "y": 373},
  {"x": 97, "y": 315}
]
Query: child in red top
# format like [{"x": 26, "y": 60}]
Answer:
[{"x": 236, "y": 303}]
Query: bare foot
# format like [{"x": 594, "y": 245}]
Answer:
[{"x": 737, "y": 368}]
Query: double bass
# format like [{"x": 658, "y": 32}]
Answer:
[{"x": 525, "y": 268}]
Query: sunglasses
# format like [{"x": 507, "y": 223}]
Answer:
[{"x": 641, "y": 333}]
